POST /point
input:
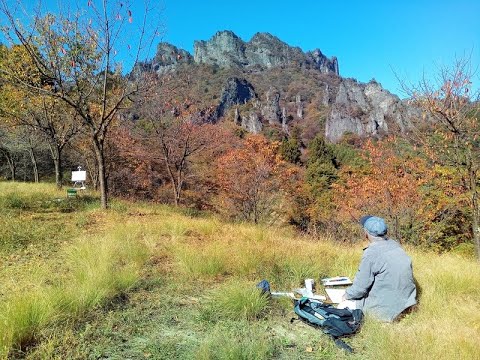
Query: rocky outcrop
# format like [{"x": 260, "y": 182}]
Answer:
[
  {"x": 168, "y": 57},
  {"x": 271, "y": 110},
  {"x": 252, "y": 123},
  {"x": 366, "y": 110},
  {"x": 168, "y": 54},
  {"x": 226, "y": 49},
  {"x": 353, "y": 107},
  {"x": 299, "y": 104},
  {"x": 236, "y": 91},
  {"x": 284, "y": 120},
  {"x": 269, "y": 51},
  {"x": 320, "y": 62}
]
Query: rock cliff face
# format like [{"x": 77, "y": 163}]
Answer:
[
  {"x": 271, "y": 110},
  {"x": 252, "y": 123},
  {"x": 236, "y": 92},
  {"x": 226, "y": 49},
  {"x": 366, "y": 110}
]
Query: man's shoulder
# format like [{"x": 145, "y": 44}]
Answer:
[
  {"x": 381, "y": 247},
  {"x": 393, "y": 243}
]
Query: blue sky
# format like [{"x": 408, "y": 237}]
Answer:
[{"x": 371, "y": 39}]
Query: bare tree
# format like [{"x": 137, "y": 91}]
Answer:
[
  {"x": 179, "y": 142},
  {"x": 76, "y": 54}
]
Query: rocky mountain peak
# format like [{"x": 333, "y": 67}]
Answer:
[
  {"x": 266, "y": 39},
  {"x": 226, "y": 49},
  {"x": 322, "y": 63},
  {"x": 305, "y": 80},
  {"x": 168, "y": 54},
  {"x": 166, "y": 59}
]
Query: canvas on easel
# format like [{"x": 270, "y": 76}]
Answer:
[{"x": 78, "y": 178}]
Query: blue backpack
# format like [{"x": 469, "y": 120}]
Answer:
[{"x": 332, "y": 321}]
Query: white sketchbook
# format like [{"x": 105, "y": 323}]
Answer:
[{"x": 335, "y": 295}]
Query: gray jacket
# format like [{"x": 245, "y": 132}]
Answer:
[{"x": 384, "y": 285}]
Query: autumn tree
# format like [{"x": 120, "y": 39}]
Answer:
[
  {"x": 250, "y": 180},
  {"x": 8, "y": 153},
  {"x": 388, "y": 186},
  {"x": 22, "y": 153},
  {"x": 177, "y": 144},
  {"x": 449, "y": 132},
  {"x": 170, "y": 136},
  {"x": 48, "y": 118},
  {"x": 77, "y": 53}
]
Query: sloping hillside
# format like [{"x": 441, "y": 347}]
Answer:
[{"x": 149, "y": 281}]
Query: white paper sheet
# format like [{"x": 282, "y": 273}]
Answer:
[{"x": 335, "y": 295}]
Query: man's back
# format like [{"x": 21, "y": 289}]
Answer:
[{"x": 384, "y": 284}]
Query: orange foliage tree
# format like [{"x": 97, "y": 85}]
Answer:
[
  {"x": 389, "y": 186},
  {"x": 250, "y": 180}
]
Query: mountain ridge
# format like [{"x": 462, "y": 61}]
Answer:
[{"x": 295, "y": 85}]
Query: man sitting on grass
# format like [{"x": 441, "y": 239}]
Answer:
[{"x": 383, "y": 285}]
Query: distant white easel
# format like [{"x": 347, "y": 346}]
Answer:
[{"x": 78, "y": 178}]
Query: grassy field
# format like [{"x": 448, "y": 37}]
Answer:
[{"x": 147, "y": 281}]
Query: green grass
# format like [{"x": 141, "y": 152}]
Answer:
[
  {"x": 235, "y": 301},
  {"x": 147, "y": 281},
  {"x": 77, "y": 273},
  {"x": 237, "y": 341}
]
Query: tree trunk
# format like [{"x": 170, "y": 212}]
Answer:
[
  {"x": 13, "y": 169},
  {"x": 176, "y": 193},
  {"x": 92, "y": 172},
  {"x": 57, "y": 162},
  {"x": 179, "y": 186},
  {"x": 102, "y": 179},
  {"x": 25, "y": 168},
  {"x": 476, "y": 230},
  {"x": 58, "y": 172},
  {"x": 475, "y": 211},
  {"x": 35, "y": 165},
  {"x": 11, "y": 164}
]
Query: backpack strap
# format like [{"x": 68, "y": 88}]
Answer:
[{"x": 342, "y": 345}]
